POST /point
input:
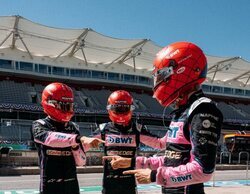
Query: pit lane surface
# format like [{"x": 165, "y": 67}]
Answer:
[{"x": 91, "y": 184}]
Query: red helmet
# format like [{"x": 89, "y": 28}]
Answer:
[
  {"x": 120, "y": 107},
  {"x": 57, "y": 102},
  {"x": 178, "y": 68}
]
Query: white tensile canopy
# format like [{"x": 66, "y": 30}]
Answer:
[{"x": 92, "y": 47}]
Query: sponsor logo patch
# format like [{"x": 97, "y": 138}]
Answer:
[
  {"x": 203, "y": 140},
  {"x": 172, "y": 154},
  {"x": 172, "y": 132},
  {"x": 120, "y": 153},
  {"x": 58, "y": 153},
  {"x": 120, "y": 140},
  {"x": 181, "y": 178},
  {"x": 206, "y": 123},
  {"x": 180, "y": 70},
  {"x": 209, "y": 115},
  {"x": 58, "y": 136}
]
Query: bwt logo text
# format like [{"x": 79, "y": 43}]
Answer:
[
  {"x": 125, "y": 140},
  {"x": 181, "y": 178}
]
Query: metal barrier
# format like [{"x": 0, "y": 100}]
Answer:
[
  {"x": 229, "y": 157},
  {"x": 229, "y": 161},
  {"x": 214, "y": 176},
  {"x": 244, "y": 152}
]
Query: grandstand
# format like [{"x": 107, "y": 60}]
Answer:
[{"x": 33, "y": 55}]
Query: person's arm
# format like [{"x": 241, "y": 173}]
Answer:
[
  {"x": 96, "y": 137},
  {"x": 90, "y": 142},
  {"x": 43, "y": 135},
  {"x": 154, "y": 141},
  {"x": 79, "y": 150},
  {"x": 140, "y": 162},
  {"x": 79, "y": 155},
  {"x": 205, "y": 129},
  {"x": 152, "y": 162}
]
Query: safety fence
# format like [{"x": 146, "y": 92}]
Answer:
[{"x": 228, "y": 156}]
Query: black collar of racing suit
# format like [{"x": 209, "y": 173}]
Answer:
[
  {"x": 196, "y": 95},
  {"x": 123, "y": 128},
  {"x": 57, "y": 125}
]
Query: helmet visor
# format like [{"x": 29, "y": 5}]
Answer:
[
  {"x": 162, "y": 75},
  {"x": 63, "y": 106},
  {"x": 120, "y": 108}
]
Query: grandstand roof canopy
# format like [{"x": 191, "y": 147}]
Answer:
[{"x": 93, "y": 47}]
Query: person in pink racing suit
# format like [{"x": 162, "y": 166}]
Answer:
[
  {"x": 122, "y": 137},
  {"x": 195, "y": 127},
  {"x": 59, "y": 143}
]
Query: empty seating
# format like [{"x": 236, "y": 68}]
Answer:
[
  {"x": 229, "y": 112},
  {"x": 12, "y": 92}
]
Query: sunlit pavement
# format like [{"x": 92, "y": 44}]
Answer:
[{"x": 218, "y": 187}]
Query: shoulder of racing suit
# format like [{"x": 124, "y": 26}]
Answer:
[
  {"x": 41, "y": 121},
  {"x": 45, "y": 123},
  {"x": 204, "y": 107},
  {"x": 42, "y": 124},
  {"x": 74, "y": 125},
  {"x": 205, "y": 121},
  {"x": 102, "y": 126},
  {"x": 198, "y": 102},
  {"x": 139, "y": 126}
]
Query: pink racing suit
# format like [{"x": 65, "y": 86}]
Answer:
[
  {"x": 59, "y": 150},
  {"x": 191, "y": 146}
]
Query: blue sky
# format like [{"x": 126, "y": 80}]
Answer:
[{"x": 219, "y": 27}]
